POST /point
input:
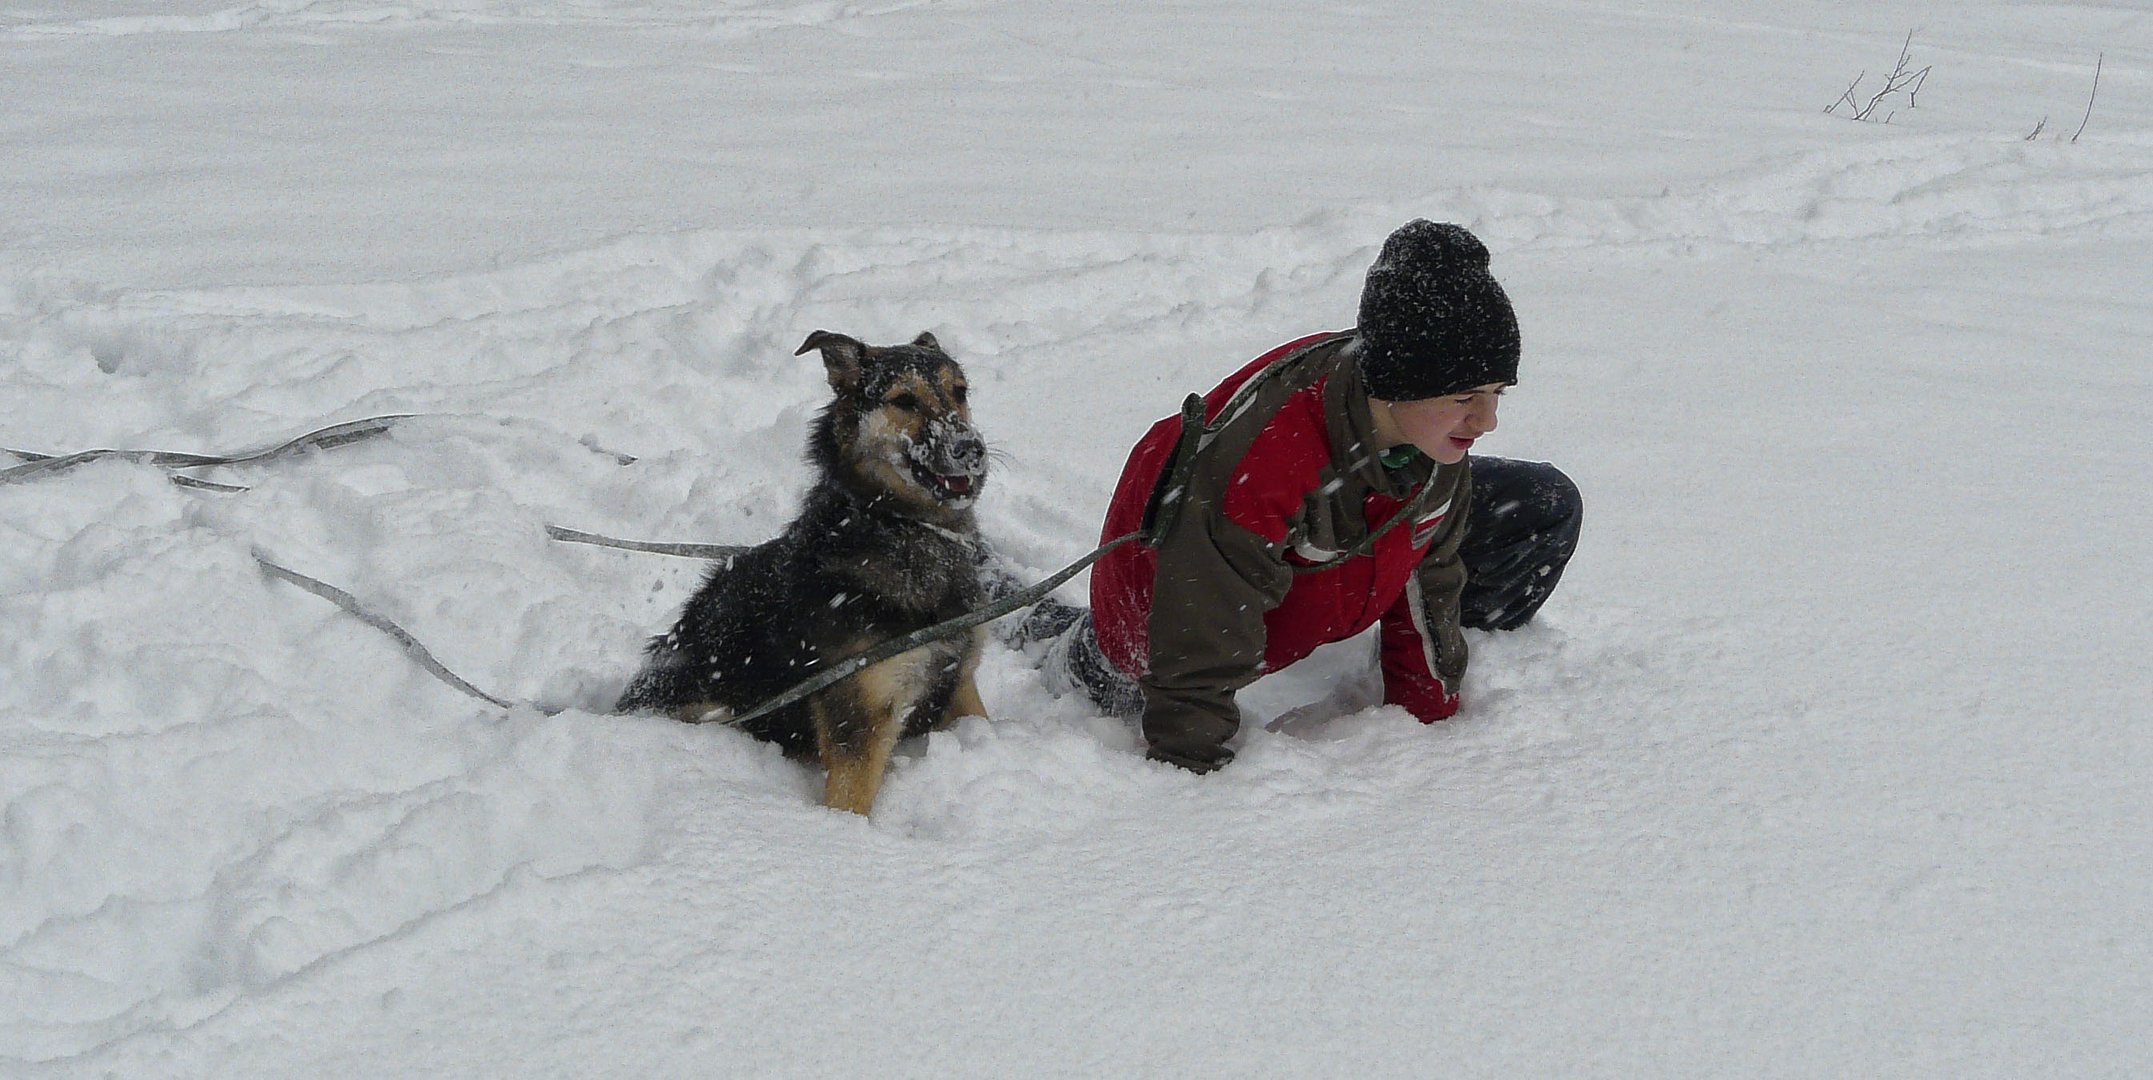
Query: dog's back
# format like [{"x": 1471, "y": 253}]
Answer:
[
  {"x": 885, "y": 545},
  {"x": 731, "y": 650},
  {"x": 772, "y": 616}
]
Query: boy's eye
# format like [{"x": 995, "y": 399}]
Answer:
[{"x": 907, "y": 402}]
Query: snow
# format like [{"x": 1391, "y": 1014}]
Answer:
[{"x": 1828, "y": 758}]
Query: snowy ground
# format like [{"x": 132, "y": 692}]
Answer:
[{"x": 1829, "y": 759}]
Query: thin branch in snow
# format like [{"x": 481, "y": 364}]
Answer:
[
  {"x": 2089, "y": 97},
  {"x": 1846, "y": 98},
  {"x": 1921, "y": 78},
  {"x": 1902, "y": 80}
]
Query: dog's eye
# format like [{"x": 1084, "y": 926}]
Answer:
[
  {"x": 956, "y": 394},
  {"x": 907, "y": 402}
]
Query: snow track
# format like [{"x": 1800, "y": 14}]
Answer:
[
  {"x": 724, "y": 303},
  {"x": 728, "y": 17}
]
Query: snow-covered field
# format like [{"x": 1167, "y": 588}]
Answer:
[{"x": 1830, "y": 758}]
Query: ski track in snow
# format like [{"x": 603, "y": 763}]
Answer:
[
  {"x": 729, "y": 300},
  {"x": 731, "y": 17}
]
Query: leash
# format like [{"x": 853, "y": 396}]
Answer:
[
  {"x": 689, "y": 551},
  {"x": 845, "y": 669},
  {"x": 328, "y": 438},
  {"x": 335, "y": 435},
  {"x": 1196, "y": 436},
  {"x": 1188, "y": 450},
  {"x": 852, "y": 665},
  {"x": 1197, "y": 433},
  {"x": 411, "y": 644}
]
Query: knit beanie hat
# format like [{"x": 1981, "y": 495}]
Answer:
[{"x": 1433, "y": 322}]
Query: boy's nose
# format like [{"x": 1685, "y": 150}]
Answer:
[{"x": 1484, "y": 415}]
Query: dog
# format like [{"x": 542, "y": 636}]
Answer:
[{"x": 885, "y": 544}]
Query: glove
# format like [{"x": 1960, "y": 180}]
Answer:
[{"x": 1424, "y": 698}]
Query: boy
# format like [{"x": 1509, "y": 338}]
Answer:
[{"x": 1339, "y": 494}]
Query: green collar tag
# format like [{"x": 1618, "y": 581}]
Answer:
[{"x": 1398, "y": 457}]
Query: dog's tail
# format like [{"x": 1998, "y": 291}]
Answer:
[{"x": 662, "y": 685}]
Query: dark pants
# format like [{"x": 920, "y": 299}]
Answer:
[
  {"x": 1520, "y": 534},
  {"x": 1518, "y": 537}
]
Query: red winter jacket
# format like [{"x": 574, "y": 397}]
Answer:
[{"x": 1232, "y": 589}]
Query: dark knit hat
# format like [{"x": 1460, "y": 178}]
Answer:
[{"x": 1433, "y": 322}]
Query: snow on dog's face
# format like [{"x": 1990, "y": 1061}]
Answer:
[{"x": 899, "y": 425}]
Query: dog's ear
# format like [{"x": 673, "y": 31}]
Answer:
[
  {"x": 841, "y": 356},
  {"x": 927, "y": 341}
]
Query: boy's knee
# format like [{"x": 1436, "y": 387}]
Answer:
[
  {"x": 1516, "y": 498},
  {"x": 1565, "y": 504},
  {"x": 1525, "y": 526},
  {"x": 1553, "y": 497}
]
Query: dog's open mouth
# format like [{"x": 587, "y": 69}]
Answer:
[
  {"x": 950, "y": 470},
  {"x": 947, "y": 486}
]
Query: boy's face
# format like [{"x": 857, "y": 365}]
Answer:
[{"x": 1442, "y": 427}]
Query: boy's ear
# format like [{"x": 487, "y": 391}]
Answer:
[{"x": 841, "y": 357}]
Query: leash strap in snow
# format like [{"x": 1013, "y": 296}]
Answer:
[
  {"x": 849, "y": 667},
  {"x": 853, "y": 665},
  {"x": 42, "y": 465},
  {"x": 690, "y": 551},
  {"x": 351, "y": 604},
  {"x": 1025, "y": 598},
  {"x": 1196, "y": 437}
]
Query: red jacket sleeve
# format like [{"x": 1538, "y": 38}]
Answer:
[
  {"x": 1409, "y": 678},
  {"x": 1423, "y": 645}
]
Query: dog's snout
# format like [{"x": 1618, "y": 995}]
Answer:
[{"x": 969, "y": 451}]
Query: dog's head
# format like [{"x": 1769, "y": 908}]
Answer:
[{"x": 898, "y": 426}]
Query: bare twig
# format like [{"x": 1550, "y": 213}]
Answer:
[
  {"x": 1920, "y": 79},
  {"x": 1847, "y": 97},
  {"x": 2089, "y": 97},
  {"x": 2037, "y": 130},
  {"x": 1902, "y": 80}
]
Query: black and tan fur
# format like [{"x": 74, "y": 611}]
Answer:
[{"x": 884, "y": 544}]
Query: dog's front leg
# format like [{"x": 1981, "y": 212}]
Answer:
[
  {"x": 964, "y": 700},
  {"x": 857, "y": 724}
]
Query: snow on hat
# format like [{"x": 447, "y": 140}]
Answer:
[{"x": 1433, "y": 322}]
